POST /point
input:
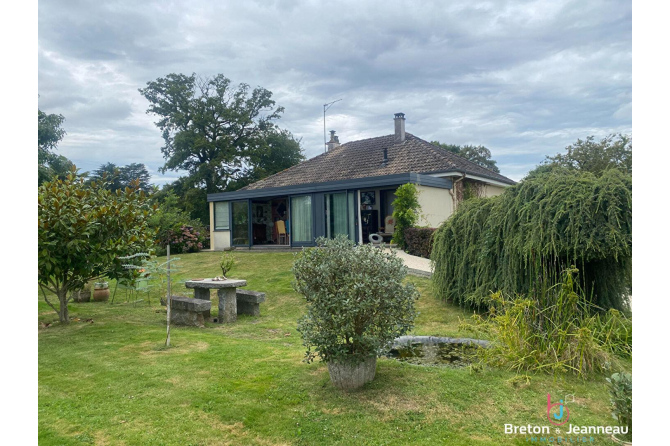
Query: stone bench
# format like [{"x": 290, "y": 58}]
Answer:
[
  {"x": 187, "y": 311},
  {"x": 249, "y": 302}
]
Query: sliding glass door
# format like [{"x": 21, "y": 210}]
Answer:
[
  {"x": 240, "y": 223},
  {"x": 301, "y": 220},
  {"x": 340, "y": 214}
]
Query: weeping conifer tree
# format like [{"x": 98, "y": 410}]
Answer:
[{"x": 520, "y": 241}]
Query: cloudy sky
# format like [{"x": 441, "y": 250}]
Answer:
[{"x": 523, "y": 78}]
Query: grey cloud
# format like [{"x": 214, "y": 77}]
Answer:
[{"x": 524, "y": 78}]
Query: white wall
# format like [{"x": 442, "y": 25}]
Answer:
[
  {"x": 436, "y": 205},
  {"x": 491, "y": 190}
]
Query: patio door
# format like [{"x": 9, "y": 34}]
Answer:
[
  {"x": 241, "y": 223},
  {"x": 301, "y": 222},
  {"x": 340, "y": 216}
]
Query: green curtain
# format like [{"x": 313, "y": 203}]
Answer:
[
  {"x": 352, "y": 217},
  {"x": 301, "y": 219},
  {"x": 338, "y": 215}
]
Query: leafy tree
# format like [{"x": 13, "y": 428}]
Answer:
[
  {"x": 190, "y": 200},
  {"x": 278, "y": 151},
  {"x": 210, "y": 129},
  {"x": 405, "y": 212},
  {"x": 82, "y": 230},
  {"x": 611, "y": 152},
  {"x": 136, "y": 171},
  {"x": 49, "y": 134},
  {"x": 479, "y": 155},
  {"x": 115, "y": 178},
  {"x": 453, "y": 148},
  {"x": 109, "y": 175}
]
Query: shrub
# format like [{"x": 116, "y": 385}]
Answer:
[
  {"x": 356, "y": 300},
  {"x": 419, "y": 241},
  {"x": 174, "y": 226},
  {"x": 185, "y": 239},
  {"x": 552, "y": 330},
  {"x": 405, "y": 212},
  {"x": 538, "y": 228},
  {"x": 621, "y": 394}
]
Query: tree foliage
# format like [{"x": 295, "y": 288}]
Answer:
[
  {"x": 406, "y": 209},
  {"x": 356, "y": 300},
  {"x": 82, "y": 230},
  {"x": 115, "y": 178},
  {"x": 529, "y": 234},
  {"x": 49, "y": 133},
  {"x": 479, "y": 155},
  {"x": 277, "y": 151},
  {"x": 611, "y": 152},
  {"x": 172, "y": 225},
  {"x": 210, "y": 128}
]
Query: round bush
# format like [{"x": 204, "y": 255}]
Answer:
[{"x": 356, "y": 300}]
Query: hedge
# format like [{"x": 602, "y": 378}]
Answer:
[{"x": 419, "y": 241}]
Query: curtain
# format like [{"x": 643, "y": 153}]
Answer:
[
  {"x": 352, "y": 217},
  {"x": 338, "y": 206},
  {"x": 221, "y": 215},
  {"x": 301, "y": 218}
]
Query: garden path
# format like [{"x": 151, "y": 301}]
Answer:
[{"x": 417, "y": 266}]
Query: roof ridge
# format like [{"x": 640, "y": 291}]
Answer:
[{"x": 366, "y": 139}]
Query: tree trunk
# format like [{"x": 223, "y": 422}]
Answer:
[{"x": 63, "y": 314}]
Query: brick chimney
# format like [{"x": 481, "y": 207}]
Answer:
[
  {"x": 399, "y": 127},
  {"x": 334, "y": 141}
]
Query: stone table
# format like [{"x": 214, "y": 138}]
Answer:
[{"x": 226, "y": 292}]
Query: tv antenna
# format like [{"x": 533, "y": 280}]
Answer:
[{"x": 326, "y": 107}]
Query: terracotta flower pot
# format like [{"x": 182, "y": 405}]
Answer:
[{"x": 101, "y": 292}]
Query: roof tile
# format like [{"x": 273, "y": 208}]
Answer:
[{"x": 364, "y": 158}]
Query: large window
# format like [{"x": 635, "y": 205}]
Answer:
[
  {"x": 221, "y": 216},
  {"x": 301, "y": 219}
]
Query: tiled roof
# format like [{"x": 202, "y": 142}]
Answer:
[{"x": 364, "y": 158}]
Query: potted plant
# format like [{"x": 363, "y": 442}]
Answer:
[
  {"x": 101, "y": 291},
  {"x": 357, "y": 305},
  {"x": 621, "y": 394},
  {"x": 83, "y": 295}
]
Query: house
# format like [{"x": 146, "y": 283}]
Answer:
[{"x": 347, "y": 190}]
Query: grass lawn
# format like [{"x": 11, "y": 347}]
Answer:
[{"x": 112, "y": 381}]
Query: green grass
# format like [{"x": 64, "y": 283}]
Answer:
[{"x": 111, "y": 381}]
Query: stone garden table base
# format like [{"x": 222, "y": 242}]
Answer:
[{"x": 226, "y": 290}]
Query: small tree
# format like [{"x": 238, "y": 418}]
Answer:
[
  {"x": 356, "y": 300},
  {"x": 227, "y": 262},
  {"x": 82, "y": 230},
  {"x": 405, "y": 212}
]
